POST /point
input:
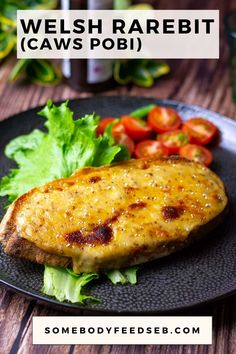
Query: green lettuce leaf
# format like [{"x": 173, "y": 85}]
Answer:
[
  {"x": 67, "y": 145},
  {"x": 123, "y": 276},
  {"x": 41, "y": 157},
  {"x": 65, "y": 285}
]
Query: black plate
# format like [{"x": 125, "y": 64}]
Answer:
[{"x": 201, "y": 273}]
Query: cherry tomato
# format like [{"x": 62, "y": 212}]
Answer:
[
  {"x": 197, "y": 153},
  {"x": 173, "y": 141},
  {"x": 162, "y": 119},
  {"x": 125, "y": 140},
  {"x": 200, "y": 130},
  {"x": 103, "y": 124},
  {"x": 118, "y": 128},
  {"x": 137, "y": 129},
  {"x": 150, "y": 148}
]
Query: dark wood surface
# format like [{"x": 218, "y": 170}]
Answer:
[{"x": 201, "y": 82}]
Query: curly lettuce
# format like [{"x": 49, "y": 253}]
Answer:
[
  {"x": 41, "y": 157},
  {"x": 67, "y": 145},
  {"x": 64, "y": 284},
  {"x": 123, "y": 276}
]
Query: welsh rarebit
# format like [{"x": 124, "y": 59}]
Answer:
[{"x": 115, "y": 216}]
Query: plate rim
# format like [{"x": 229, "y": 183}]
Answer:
[{"x": 80, "y": 307}]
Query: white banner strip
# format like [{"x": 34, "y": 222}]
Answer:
[
  {"x": 112, "y": 34},
  {"x": 122, "y": 330}
]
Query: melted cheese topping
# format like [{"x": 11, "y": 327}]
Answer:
[{"x": 120, "y": 215}]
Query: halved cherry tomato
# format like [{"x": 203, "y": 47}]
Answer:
[
  {"x": 125, "y": 140},
  {"x": 137, "y": 129},
  {"x": 118, "y": 128},
  {"x": 197, "y": 153},
  {"x": 150, "y": 148},
  {"x": 162, "y": 119},
  {"x": 103, "y": 124},
  {"x": 173, "y": 141},
  {"x": 200, "y": 130}
]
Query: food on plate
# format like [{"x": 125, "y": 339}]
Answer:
[
  {"x": 150, "y": 148},
  {"x": 143, "y": 111},
  {"x": 174, "y": 140},
  {"x": 66, "y": 145},
  {"x": 115, "y": 216},
  {"x": 200, "y": 130},
  {"x": 125, "y": 140},
  {"x": 163, "y": 119},
  {"x": 137, "y": 131},
  {"x": 105, "y": 219},
  {"x": 136, "y": 128},
  {"x": 103, "y": 125},
  {"x": 118, "y": 128},
  {"x": 196, "y": 153}
]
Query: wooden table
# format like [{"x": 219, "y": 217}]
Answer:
[{"x": 200, "y": 82}]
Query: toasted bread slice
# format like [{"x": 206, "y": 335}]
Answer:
[{"x": 115, "y": 216}]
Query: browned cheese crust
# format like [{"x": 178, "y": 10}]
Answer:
[{"x": 115, "y": 216}]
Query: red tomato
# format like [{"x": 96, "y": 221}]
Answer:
[
  {"x": 197, "y": 153},
  {"x": 173, "y": 141},
  {"x": 162, "y": 119},
  {"x": 103, "y": 124},
  {"x": 200, "y": 130},
  {"x": 125, "y": 140},
  {"x": 150, "y": 148},
  {"x": 137, "y": 129},
  {"x": 118, "y": 129}
]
